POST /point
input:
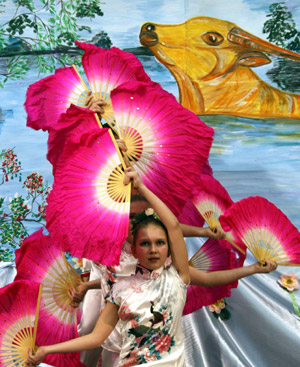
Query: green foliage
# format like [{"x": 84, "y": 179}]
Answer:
[
  {"x": 281, "y": 30},
  {"x": 21, "y": 209},
  {"x": 281, "y": 25},
  {"x": 46, "y": 25}
]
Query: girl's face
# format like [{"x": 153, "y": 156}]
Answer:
[{"x": 151, "y": 248}]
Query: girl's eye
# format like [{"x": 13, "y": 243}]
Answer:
[
  {"x": 145, "y": 243},
  {"x": 161, "y": 242}
]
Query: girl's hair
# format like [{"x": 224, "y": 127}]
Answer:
[{"x": 142, "y": 221}]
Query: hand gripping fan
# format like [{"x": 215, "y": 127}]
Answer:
[
  {"x": 212, "y": 200},
  {"x": 19, "y": 310},
  {"x": 88, "y": 207},
  {"x": 40, "y": 261},
  {"x": 105, "y": 69},
  {"x": 264, "y": 229},
  {"x": 166, "y": 143},
  {"x": 212, "y": 256}
]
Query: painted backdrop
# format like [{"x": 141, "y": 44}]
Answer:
[{"x": 236, "y": 64}]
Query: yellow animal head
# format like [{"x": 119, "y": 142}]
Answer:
[{"x": 206, "y": 52}]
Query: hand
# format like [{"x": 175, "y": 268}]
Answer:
[
  {"x": 267, "y": 267},
  {"x": 77, "y": 294},
  {"x": 131, "y": 174},
  {"x": 35, "y": 359},
  {"x": 94, "y": 104},
  {"x": 216, "y": 234},
  {"x": 122, "y": 145}
]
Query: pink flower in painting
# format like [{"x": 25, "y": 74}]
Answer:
[
  {"x": 163, "y": 344},
  {"x": 289, "y": 281},
  {"x": 155, "y": 275},
  {"x": 218, "y": 306}
]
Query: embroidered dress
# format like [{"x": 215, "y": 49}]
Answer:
[{"x": 150, "y": 309}]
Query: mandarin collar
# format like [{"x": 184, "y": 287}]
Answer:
[{"x": 147, "y": 274}]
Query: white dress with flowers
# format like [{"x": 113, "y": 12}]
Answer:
[{"x": 150, "y": 309}]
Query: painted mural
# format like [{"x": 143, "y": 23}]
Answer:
[{"x": 240, "y": 76}]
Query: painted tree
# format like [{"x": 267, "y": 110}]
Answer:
[
  {"x": 46, "y": 30},
  {"x": 21, "y": 210},
  {"x": 281, "y": 30}
]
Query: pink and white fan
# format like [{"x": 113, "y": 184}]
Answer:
[
  {"x": 19, "y": 310},
  {"x": 264, "y": 229},
  {"x": 105, "y": 69},
  {"x": 166, "y": 143},
  {"x": 69, "y": 128},
  {"x": 40, "y": 261},
  {"x": 212, "y": 256},
  {"x": 212, "y": 200},
  {"x": 88, "y": 207}
]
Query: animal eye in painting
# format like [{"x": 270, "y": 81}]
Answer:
[
  {"x": 150, "y": 27},
  {"x": 212, "y": 38}
]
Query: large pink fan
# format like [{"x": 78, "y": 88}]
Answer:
[
  {"x": 212, "y": 256},
  {"x": 105, "y": 69},
  {"x": 19, "y": 306},
  {"x": 212, "y": 200},
  {"x": 88, "y": 208},
  {"x": 166, "y": 143},
  {"x": 40, "y": 261},
  {"x": 69, "y": 128},
  {"x": 264, "y": 229}
]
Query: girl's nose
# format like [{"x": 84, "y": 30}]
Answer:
[{"x": 153, "y": 248}]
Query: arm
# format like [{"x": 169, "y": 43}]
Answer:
[
  {"x": 192, "y": 231},
  {"x": 105, "y": 325},
  {"x": 177, "y": 244},
  {"x": 77, "y": 295},
  {"x": 214, "y": 278}
]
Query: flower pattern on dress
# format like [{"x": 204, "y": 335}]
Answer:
[{"x": 125, "y": 313}]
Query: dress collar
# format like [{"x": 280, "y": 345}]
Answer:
[{"x": 148, "y": 274}]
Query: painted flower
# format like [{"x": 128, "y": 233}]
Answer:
[
  {"x": 150, "y": 357},
  {"x": 218, "y": 306},
  {"x": 163, "y": 344},
  {"x": 289, "y": 281}
]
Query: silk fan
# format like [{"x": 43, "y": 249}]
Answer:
[
  {"x": 211, "y": 256},
  {"x": 264, "y": 229},
  {"x": 88, "y": 207},
  {"x": 161, "y": 137},
  {"x": 212, "y": 200},
  {"x": 105, "y": 69},
  {"x": 19, "y": 311},
  {"x": 40, "y": 261}
]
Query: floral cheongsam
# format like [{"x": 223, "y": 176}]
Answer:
[{"x": 150, "y": 309}]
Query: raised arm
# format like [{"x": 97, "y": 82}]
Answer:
[
  {"x": 105, "y": 325},
  {"x": 193, "y": 231},
  {"x": 177, "y": 244},
  {"x": 221, "y": 277}
]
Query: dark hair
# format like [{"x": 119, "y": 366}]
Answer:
[
  {"x": 144, "y": 224},
  {"x": 135, "y": 198}
]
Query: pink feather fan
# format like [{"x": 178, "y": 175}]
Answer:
[
  {"x": 19, "y": 308},
  {"x": 264, "y": 229},
  {"x": 166, "y": 143},
  {"x": 105, "y": 69},
  {"x": 40, "y": 261},
  {"x": 212, "y": 256},
  {"x": 88, "y": 208},
  {"x": 212, "y": 200}
]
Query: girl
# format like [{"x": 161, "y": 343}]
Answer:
[{"x": 150, "y": 303}]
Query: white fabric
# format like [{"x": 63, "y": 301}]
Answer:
[
  {"x": 150, "y": 309},
  {"x": 92, "y": 304}
]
